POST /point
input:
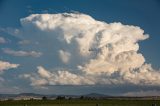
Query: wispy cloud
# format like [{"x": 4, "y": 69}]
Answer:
[
  {"x": 21, "y": 53},
  {"x": 143, "y": 93},
  {"x": 2, "y": 40},
  {"x": 24, "y": 42}
]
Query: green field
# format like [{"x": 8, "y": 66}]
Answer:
[{"x": 80, "y": 103}]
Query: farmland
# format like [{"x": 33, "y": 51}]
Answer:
[{"x": 101, "y": 102}]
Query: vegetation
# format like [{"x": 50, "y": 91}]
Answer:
[
  {"x": 80, "y": 102},
  {"x": 44, "y": 98}
]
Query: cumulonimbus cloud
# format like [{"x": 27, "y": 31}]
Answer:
[
  {"x": 6, "y": 65},
  {"x": 102, "y": 53}
]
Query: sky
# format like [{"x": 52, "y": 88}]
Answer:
[{"x": 80, "y": 47}]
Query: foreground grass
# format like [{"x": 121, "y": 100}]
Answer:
[{"x": 112, "y": 102}]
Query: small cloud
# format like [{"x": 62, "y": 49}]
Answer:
[
  {"x": 24, "y": 42},
  {"x": 6, "y": 65},
  {"x": 43, "y": 73},
  {"x": 64, "y": 56},
  {"x": 2, "y": 40},
  {"x": 22, "y": 53},
  {"x": 1, "y": 80},
  {"x": 12, "y": 31}
]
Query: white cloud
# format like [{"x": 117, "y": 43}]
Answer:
[
  {"x": 61, "y": 77},
  {"x": 22, "y": 53},
  {"x": 64, "y": 56},
  {"x": 103, "y": 53},
  {"x": 24, "y": 42},
  {"x": 43, "y": 73},
  {"x": 2, "y": 40},
  {"x": 6, "y": 65}
]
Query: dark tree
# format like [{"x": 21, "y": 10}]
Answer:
[
  {"x": 44, "y": 98},
  {"x": 82, "y": 97},
  {"x": 60, "y": 98}
]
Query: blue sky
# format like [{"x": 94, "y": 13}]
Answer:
[{"x": 144, "y": 14}]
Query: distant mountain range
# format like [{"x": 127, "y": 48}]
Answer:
[
  {"x": 27, "y": 96},
  {"x": 96, "y": 95}
]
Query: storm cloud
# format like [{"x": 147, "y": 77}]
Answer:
[{"x": 99, "y": 52}]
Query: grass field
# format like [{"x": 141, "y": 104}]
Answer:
[{"x": 80, "y": 103}]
